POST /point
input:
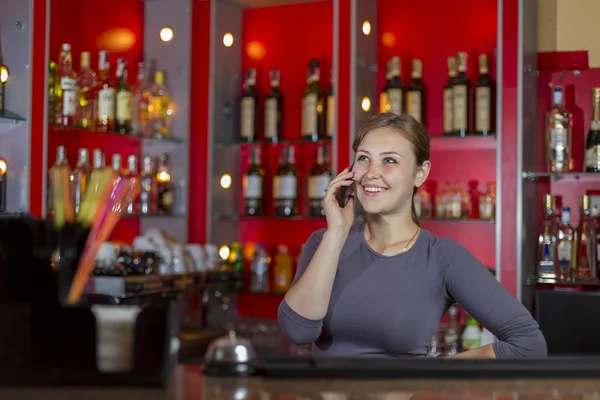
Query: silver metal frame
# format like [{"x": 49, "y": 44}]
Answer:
[{"x": 499, "y": 130}]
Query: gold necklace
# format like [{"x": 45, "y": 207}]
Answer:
[{"x": 410, "y": 241}]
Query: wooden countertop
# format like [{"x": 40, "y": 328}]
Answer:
[{"x": 188, "y": 384}]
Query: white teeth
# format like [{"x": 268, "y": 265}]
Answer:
[{"x": 374, "y": 189}]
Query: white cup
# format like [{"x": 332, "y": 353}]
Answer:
[{"x": 115, "y": 337}]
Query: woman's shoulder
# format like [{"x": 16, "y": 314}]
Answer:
[{"x": 443, "y": 247}]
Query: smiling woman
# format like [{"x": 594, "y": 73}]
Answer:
[{"x": 379, "y": 289}]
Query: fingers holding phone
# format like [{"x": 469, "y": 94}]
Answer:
[{"x": 338, "y": 201}]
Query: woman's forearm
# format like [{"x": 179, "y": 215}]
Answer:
[
  {"x": 486, "y": 351},
  {"x": 310, "y": 295}
]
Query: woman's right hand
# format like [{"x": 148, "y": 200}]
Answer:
[{"x": 338, "y": 217}]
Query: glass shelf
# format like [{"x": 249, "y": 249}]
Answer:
[
  {"x": 8, "y": 117},
  {"x": 533, "y": 281},
  {"x": 9, "y": 121},
  {"x": 243, "y": 218},
  {"x": 151, "y": 216},
  {"x": 282, "y": 142},
  {"x": 486, "y": 220},
  {"x": 471, "y": 142},
  {"x": 562, "y": 176},
  {"x": 152, "y": 145}
]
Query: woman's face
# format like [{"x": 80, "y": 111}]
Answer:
[{"x": 386, "y": 172}]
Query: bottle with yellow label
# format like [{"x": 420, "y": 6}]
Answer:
[
  {"x": 282, "y": 276},
  {"x": 160, "y": 109}
]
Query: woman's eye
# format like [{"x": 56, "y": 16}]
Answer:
[
  {"x": 389, "y": 160},
  {"x": 361, "y": 158}
]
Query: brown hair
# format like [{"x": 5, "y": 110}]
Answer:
[{"x": 410, "y": 129}]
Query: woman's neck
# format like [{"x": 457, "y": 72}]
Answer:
[{"x": 384, "y": 231}]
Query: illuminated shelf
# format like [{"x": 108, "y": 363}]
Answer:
[
  {"x": 152, "y": 145},
  {"x": 562, "y": 176},
  {"x": 471, "y": 142},
  {"x": 139, "y": 215},
  {"x": 485, "y": 220},
  {"x": 282, "y": 142},
  {"x": 534, "y": 281},
  {"x": 9, "y": 121},
  {"x": 244, "y": 218}
]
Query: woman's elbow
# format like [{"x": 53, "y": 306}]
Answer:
[
  {"x": 532, "y": 345},
  {"x": 296, "y": 332}
]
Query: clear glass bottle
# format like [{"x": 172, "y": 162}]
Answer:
[
  {"x": 67, "y": 91},
  {"x": 105, "y": 115},
  {"x": 160, "y": 107},
  {"x": 123, "y": 100},
  {"x": 79, "y": 179},
  {"x": 318, "y": 182},
  {"x": 547, "y": 243},
  {"x": 140, "y": 102},
  {"x": 132, "y": 172},
  {"x": 87, "y": 83},
  {"x": 559, "y": 124},
  {"x": 148, "y": 187},
  {"x": 585, "y": 260},
  {"x": 259, "y": 270},
  {"x": 566, "y": 247},
  {"x": 61, "y": 160}
]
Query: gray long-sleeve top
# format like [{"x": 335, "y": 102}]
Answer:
[{"x": 390, "y": 306}]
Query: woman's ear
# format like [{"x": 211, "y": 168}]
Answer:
[{"x": 422, "y": 173}]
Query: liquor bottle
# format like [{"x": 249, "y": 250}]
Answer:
[
  {"x": 141, "y": 100},
  {"x": 132, "y": 172},
  {"x": 559, "y": 124},
  {"x": 283, "y": 273},
  {"x": 105, "y": 116},
  {"x": 248, "y": 107},
  {"x": 415, "y": 93},
  {"x": 461, "y": 98},
  {"x": 52, "y": 92},
  {"x": 448, "y": 107},
  {"x": 585, "y": 260},
  {"x": 330, "y": 102},
  {"x": 117, "y": 164},
  {"x": 79, "y": 179},
  {"x": 312, "y": 105},
  {"x": 395, "y": 91},
  {"x": 123, "y": 100},
  {"x": 318, "y": 181},
  {"x": 67, "y": 91},
  {"x": 566, "y": 247},
  {"x": 259, "y": 270},
  {"x": 285, "y": 185},
  {"x": 237, "y": 264},
  {"x": 3, "y": 184},
  {"x": 163, "y": 179},
  {"x": 87, "y": 83},
  {"x": 384, "y": 104},
  {"x": 483, "y": 99},
  {"x": 547, "y": 243},
  {"x": 592, "y": 144},
  {"x": 452, "y": 336},
  {"x": 273, "y": 108},
  {"x": 98, "y": 162},
  {"x": 148, "y": 187},
  {"x": 61, "y": 160},
  {"x": 160, "y": 114},
  {"x": 253, "y": 185}
]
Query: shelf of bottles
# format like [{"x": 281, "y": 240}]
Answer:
[
  {"x": 467, "y": 131},
  {"x": 120, "y": 121},
  {"x": 275, "y": 132},
  {"x": 568, "y": 184}
]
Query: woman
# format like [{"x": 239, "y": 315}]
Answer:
[{"x": 379, "y": 289}]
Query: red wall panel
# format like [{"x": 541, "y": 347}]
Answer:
[
  {"x": 510, "y": 72},
  {"x": 200, "y": 102}
]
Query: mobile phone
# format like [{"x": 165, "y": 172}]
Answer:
[{"x": 344, "y": 192}]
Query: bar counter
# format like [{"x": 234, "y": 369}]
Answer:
[{"x": 188, "y": 383}]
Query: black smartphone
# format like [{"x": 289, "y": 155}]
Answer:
[{"x": 343, "y": 194}]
